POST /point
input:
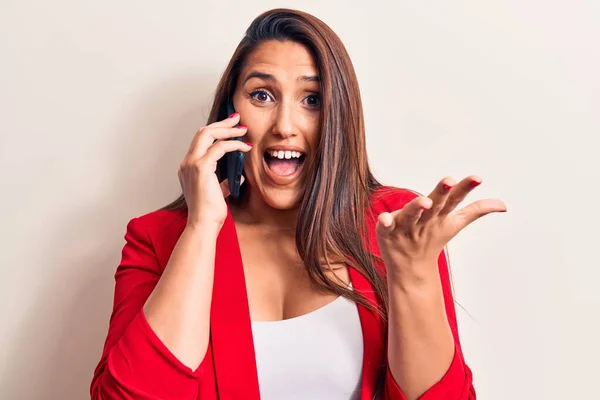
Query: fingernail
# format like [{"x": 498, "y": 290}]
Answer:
[
  {"x": 475, "y": 183},
  {"x": 248, "y": 144},
  {"x": 447, "y": 187},
  {"x": 241, "y": 126},
  {"x": 235, "y": 114}
]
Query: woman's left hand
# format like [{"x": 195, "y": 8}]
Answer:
[{"x": 412, "y": 238}]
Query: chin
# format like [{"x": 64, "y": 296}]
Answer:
[{"x": 283, "y": 199}]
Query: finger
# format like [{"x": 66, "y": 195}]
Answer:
[
  {"x": 228, "y": 122},
  {"x": 406, "y": 218},
  {"x": 459, "y": 192},
  {"x": 219, "y": 149},
  {"x": 438, "y": 196},
  {"x": 225, "y": 187},
  {"x": 208, "y": 135},
  {"x": 479, "y": 209},
  {"x": 385, "y": 223}
]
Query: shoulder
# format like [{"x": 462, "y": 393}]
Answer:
[
  {"x": 160, "y": 221},
  {"x": 158, "y": 230},
  {"x": 389, "y": 198}
]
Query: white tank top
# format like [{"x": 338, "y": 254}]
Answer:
[{"x": 315, "y": 356}]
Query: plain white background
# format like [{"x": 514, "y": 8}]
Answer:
[{"x": 99, "y": 100}]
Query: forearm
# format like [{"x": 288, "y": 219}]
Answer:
[
  {"x": 420, "y": 343},
  {"x": 178, "y": 310}
]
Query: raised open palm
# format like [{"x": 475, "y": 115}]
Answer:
[{"x": 417, "y": 233}]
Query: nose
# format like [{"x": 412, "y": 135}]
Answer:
[{"x": 284, "y": 120}]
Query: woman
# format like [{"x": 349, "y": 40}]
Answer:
[{"x": 318, "y": 282}]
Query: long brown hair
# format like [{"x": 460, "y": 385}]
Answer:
[{"x": 332, "y": 217}]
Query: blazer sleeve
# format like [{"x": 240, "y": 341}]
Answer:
[
  {"x": 135, "y": 364},
  {"x": 457, "y": 382}
]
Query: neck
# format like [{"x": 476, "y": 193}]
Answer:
[{"x": 254, "y": 211}]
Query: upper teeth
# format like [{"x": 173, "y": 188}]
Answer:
[{"x": 281, "y": 154}]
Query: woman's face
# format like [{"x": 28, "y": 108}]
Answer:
[{"x": 277, "y": 96}]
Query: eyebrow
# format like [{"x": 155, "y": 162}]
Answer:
[
  {"x": 311, "y": 78},
  {"x": 271, "y": 78}
]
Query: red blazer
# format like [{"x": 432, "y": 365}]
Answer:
[{"x": 135, "y": 364}]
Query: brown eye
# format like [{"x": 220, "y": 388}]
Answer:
[
  {"x": 314, "y": 101},
  {"x": 261, "y": 96}
]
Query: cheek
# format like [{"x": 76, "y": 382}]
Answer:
[
  {"x": 252, "y": 164},
  {"x": 252, "y": 136},
  {"x": 312, "y": 131},
  {"x": 253, "y": 158}
]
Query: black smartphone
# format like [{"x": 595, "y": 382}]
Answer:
[{"x": 234, "y": 162}]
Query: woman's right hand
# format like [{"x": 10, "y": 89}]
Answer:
[{"x": 204, "y": 196}]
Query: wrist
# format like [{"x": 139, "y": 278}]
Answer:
[
  {"x": 416, "y": 294},
  {"x": 203, "y": 229},
  {"x": 421, "y": 277}
]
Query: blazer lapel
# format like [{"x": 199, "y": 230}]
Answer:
[
  {"x": 373, "y": 337},
  {"x": 231, "y": 331}
]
